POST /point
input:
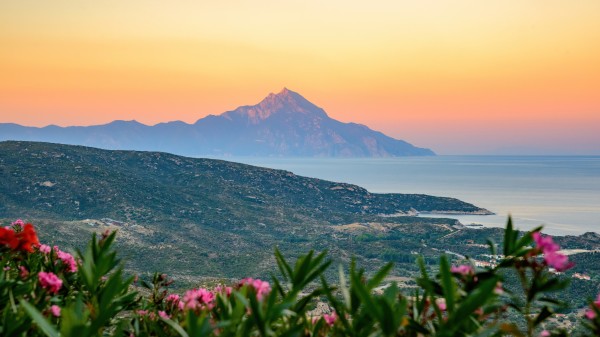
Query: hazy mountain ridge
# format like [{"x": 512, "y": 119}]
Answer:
[{"x": 283, "y": 124}]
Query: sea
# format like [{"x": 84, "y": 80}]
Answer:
[{"x": 562, "y": 193}]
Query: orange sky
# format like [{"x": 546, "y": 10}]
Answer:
[{"x": 458, "y": 76}]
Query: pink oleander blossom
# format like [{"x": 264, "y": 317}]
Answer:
[
  {"x": 590, "y": 313},
  {"x": 173, "y": 298},
  {"x": 223, "y": 290},
  {"x": 19, "y": 223},
  {"x": 552, "y": 257},
  {"x": 163, "y": 315},
  {"x": 197, "y": 299},
  {"x": 23, "y": 272},
  {"x": 55, "y": 310},
  {"x": 441, "y": 303},
  {"x": 67, "y": 259},
  {"x": 262, "y": 288},
  {"x": 545, "y": 333},
  {"x": 463, "y": 269},
  {"x": 173, "y": 301},
  {"x": 45, "y": 249},
  {"x": 499, "y": 289},
  {"x": 330, "y": 319},
  {"x": 558, "y": 261},
  {"x": 50, "y": 282},
  {"x": 545, "y": 243}
]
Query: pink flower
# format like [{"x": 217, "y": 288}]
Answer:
[
  {"x": 197, "y": 299},
  {"x": 590, "y": 314},
  {"x": 173, "y": 298},
  {"x": 163, "y": 315},
  {"x": 68, "y": 260},
  {"x": 145, "y": 313},
  {"x": 262, "y": 288},
  {"x": 545, "y": 244},
  {"x": 499, "y": 290},
  {"x": 55, "y": 310},
  {"x": 545, "y": 333},
  {"x": 464, "y": 269},
  {"x": 441, "y": 303},
  {"x": 597, "y": 301},
  {"x": 330, "y": 319},
  {"x": 223, "y": 290},
  {"x": 19, "y": 223},
  {"x": 174, "y": 302},
  {"x": 23, "y": 272},
  {"x": 315, "y": 319},
  {"x": 50, "y": 282},
  {"x": 553, "y": 258},
  {"x": 558, "y": 261},
  {"x": 45, "y": 249}
]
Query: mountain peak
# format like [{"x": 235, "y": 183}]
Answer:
[
  {"x": 286, "y": 95},
  {"x": 284, "y": 102},
  {"x": 284, "y": 91}
]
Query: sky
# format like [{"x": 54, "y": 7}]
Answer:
[{"x": 457, "y": 76}]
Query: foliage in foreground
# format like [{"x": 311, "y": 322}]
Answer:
[{"x": 47, "y": 292}]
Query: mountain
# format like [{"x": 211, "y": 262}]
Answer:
[
  {"x": 283, "y": 124},
  {"x": 210, "y": 216}
]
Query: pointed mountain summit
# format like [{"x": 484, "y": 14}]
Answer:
[
  {"x": 282, "y": 124},
  {"x": 285, "y": 102}
]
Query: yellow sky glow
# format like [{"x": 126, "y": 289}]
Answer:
[{"x": 423, "y": 71}]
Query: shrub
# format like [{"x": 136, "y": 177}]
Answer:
[{"x": 45, "y": 291}]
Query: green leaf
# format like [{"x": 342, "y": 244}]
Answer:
[
  {"x": 39, "y": 319},
  {"x": 284, "y": 267},
  {"x": 476, "y": 299},
  {"x": 493, "y": 247},
  {"x": 380, "y": 275},
  {"x": 448, "y": 283},
  {"x": 175, "y": 327},
  {"x": 508, "y": 237},
  {"x": 344, "y": 287},
  {"x": 545, "y": 313},
  {"x": 301, "y": 268}
]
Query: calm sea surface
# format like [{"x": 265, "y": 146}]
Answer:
[{"x": 562, "y": 193}]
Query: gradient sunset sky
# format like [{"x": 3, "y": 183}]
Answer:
[{"x": 457, "y": 76}]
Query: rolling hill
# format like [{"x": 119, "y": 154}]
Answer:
[{"x": 203, "y": 216}]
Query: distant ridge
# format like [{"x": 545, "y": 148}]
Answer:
[{"x": 282, "y": 124}]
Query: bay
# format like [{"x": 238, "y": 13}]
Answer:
[{"x": 560, "y": 192}]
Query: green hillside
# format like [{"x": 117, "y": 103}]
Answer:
[{"x": 202, "y": 216}]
